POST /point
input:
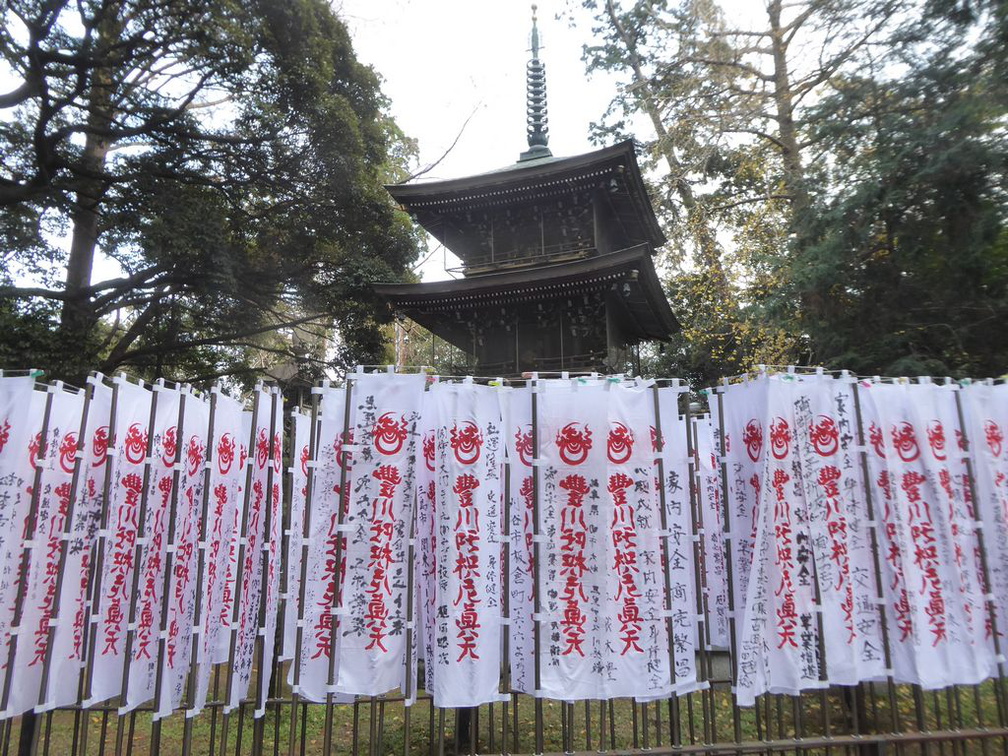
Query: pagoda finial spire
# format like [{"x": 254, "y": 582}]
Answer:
[{"x": 537, "y": 124}]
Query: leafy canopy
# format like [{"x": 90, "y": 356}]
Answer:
[{"x": 229, "y": 157}]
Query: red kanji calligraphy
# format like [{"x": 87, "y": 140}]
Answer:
[
  {"x": 467, "y": 565},
  {"x": 624, "y": 538},
  {"x": 378, "y": 588},
  {"x": 573, "y": 539}
]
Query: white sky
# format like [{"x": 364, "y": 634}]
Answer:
[
  {"x": 443, "y": 60},
  {"x": 446, "y": 60}
]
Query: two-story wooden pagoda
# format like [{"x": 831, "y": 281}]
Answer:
[{"x": 556, "y": 255}]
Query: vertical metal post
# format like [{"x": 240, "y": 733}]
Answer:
[
  {"x": 506, "y": 599},
  {"x": 285, "y": 566},
  {"x": 700, "y": 550},
  {"x": 342, "y": 504},
  {"x": 30, "y": 523},
  {"x": 306, "y": 530},
  {"x": 241, "y": 538},
  {"x": 94, "y": 578},
  {"x": 155, "y": 741},
  {"x": 409, "y": 692},
  {"x": 730, "y": 573},
  {"x": 196, "y": 638},
  {"x": 262, "y": 663},
  {"x": 537, "y": 569},
  {"x": 138, "y": 552},
  {"x": 663, "y": 511}
]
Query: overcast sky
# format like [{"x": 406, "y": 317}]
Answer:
[{"x": 446, "y": 60}]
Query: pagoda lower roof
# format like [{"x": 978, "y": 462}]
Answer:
[{"x": 643, "y": 299}]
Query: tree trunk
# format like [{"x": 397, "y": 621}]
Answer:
[
  {"x": 78, "y": 316},
  {"x": 710, "y": 256},
  {"x": 787, "y": 133}
]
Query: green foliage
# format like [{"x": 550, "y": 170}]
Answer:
[
  {"x": 233, "y": 164},
  {"x": 905, "y": 270},
  {"x": 832, "y": 178}
]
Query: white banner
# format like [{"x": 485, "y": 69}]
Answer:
[
  {"x": 116, "y": 578},
  {"x": 465, "y": 664},
  {"x": 985, "y": 411},
  {"x": 426, "y": 535},
  {"x": 56, "y": 459},
  {"x": 948, "y": 474},
  {"x": 71, "y": 631},
  {"x": 680, "y": 563},
  {"x": 779, "y": 637},
  {"x": 604, "y": 630},
  {"x": 160, "y": 502},
  {"x": 825, "y": 430},
  {"x": 516, "y": 413},
  {"x": 931, "y": 604},
  {"x": 20, "y": 426},
  {"x": 743, "y": 407},
  {"x": 230, "y": 596},
  {"x": 260, "y": 502},
  {"x": 269, "y": 604},
  {"x": 225, "y": 454},
  {"x": 709, "y": 496},
  {"x": 300, "y": 459},
  {"x": 572, "y": 431},
  {"x": 311, "y": 673},
  {"x": 891, "y": 555},
  {"x": 177, "y": 529},
  {"x": 183, "y": 557},
  {"x": 372, "y": 616}
]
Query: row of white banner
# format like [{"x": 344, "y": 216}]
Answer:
[
  {"x": 868, "y": 521},
  {"x": 540, "y": 539}
]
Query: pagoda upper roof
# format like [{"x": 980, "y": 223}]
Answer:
[{"x": 526, "y": 181}]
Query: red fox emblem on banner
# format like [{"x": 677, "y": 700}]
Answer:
[
  {"x": 620, "y": 445},
  {"x": 752, "y": 437},
  {"x": 574, "y": 443},
  {"x": 389, "y": 435},
  {"x": 824, "y": 435},
  {"x": 466, "y": 443}
]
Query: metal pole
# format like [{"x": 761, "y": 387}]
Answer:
[
  {"x": 506, "y": 598},
  {"x": 138, "y": 552},
  {"x": 659, "y": 451},
  {"x": 343, "y": 504},
  {"x": 196, "y": 638},
  {"x": 155, "y": 742},
  {"x": 95, "y": 569},
  {"x": 707, "y": 698},
  {"x": 729, "y": 568},
  {"x": 536, "y": 569},
  {"x": 241, "y": 538},
  {"x": 262, "y": 664},
  {"x": 306, "y": 525}
]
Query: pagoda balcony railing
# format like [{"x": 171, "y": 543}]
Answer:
[
  {"x": 523, "y": 258},
  {"x": 587, "y": 362}
]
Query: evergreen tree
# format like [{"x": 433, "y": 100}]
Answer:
[
  {"x": 229, "y": 156},
  {"x": 832, "y": 177},
  {"x": 907, "y": 261}
]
